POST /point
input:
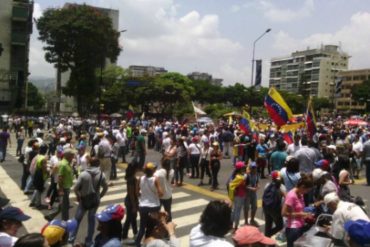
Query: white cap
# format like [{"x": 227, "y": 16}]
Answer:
[
  {"x": 317, "y": 174},
  {"x": 331, "y": 197}
]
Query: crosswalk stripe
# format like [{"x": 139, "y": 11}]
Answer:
[
  {"x": 189, "y": 204},
  {"x": 187, "y": 220}
]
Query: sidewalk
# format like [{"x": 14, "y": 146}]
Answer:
[{"x": 10, "y": 178}]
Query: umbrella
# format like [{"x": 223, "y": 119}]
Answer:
[
  {"x": 355, "y": 122},
  {"x": 116, "y": 115}
]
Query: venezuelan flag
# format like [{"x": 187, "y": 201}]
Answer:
[
  {"x": 244, "y": 125},
  {"x": 288, "y": 137},
  {"x": 277, "y": 108},
  {"x": 310, "y": 120}
]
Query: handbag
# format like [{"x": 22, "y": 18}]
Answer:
[{"x": 91, "y": 200}]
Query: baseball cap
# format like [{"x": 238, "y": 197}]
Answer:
[
  {"x": 251, "y": 235},
  {"x": 275, "y": 175},
  {"x": 358, "y": 231},
  {"x": 331, "y": 197},
  {"x": 55, "y": 230},
  {"x": 239, "y": 165},
  {"x": 253, "y": 165},
  {"x": 69, "y": 151},
  {"x": 323, "y": 164},
  {"x": 111, "y": 212},
  {"x": 13, "y": 213},
  {"x": 317, "y": 174}
]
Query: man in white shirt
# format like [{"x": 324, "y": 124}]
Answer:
[
  {"x": 357, "y": 148},
  {"x": 342, "y": 212},
  {"x": 166, "y": 141},
  {"x": 121, "y": 140},
  {"x": 295, "y": 146},
  {"x": 104, "y": 154}
]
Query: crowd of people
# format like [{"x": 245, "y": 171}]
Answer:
[{"x": 306, "y": 177}]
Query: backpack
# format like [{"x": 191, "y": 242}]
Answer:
[
  {"x": 92, "y": 199},
  {"x": 271, "y": 198}
]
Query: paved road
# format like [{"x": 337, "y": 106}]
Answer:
[{"x": 189, "y": 200}]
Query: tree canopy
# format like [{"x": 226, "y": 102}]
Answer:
[{"x": 79, "y": 38}]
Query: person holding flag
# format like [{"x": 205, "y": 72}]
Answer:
[{"x": 310, "y": 120}]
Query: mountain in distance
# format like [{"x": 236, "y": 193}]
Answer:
[{"x": 44, "y": 84}]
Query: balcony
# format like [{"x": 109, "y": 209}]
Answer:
[
  {"x": 19, "y": 38},
  {"x": 20, "y": 13}
]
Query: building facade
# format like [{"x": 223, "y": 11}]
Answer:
[
  {"x": 15, "y": 32},
  {"x": 347, "y": 80},
  {"x": 199, "y": 76},
  {"x": 137, "y": 71},
  {"x": 310, "y": 72},
  {"x": 69, "y": 104}
]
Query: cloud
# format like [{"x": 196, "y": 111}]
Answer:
[
  {"x": 353, "y": 38},
  {"x": 277, "y": 14},
  {"x": 37, "y": 10}
]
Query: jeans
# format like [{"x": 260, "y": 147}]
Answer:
[
  {"x": 144, "y": 214},
  {"x": 227, "y": 149},
  {"x": 292, "y": 234},
  {"x": 179, "y": 169},
  {"x": 130, "y": 219},
  {"x": 237, "y": 208},
  {"x": 52, "y": 191},
  {"x": 3, "y": 151},
  {"x": 273, "y": 217},
  {"x": 113, "y": 172},
  {"x": 215, "y": 168},
  {"x": 122, "y": 153},
  {"x": 29, "y": 183},
  {"x": 167, "y": 203},
  {"x": 36, "y": 198},
  {"x": 194, "y": 160},
  {"x": 65, "y": 204},
  {"x": 250, "y": 201},
  {"x": 19, "y": 146},
  {"x": 25, "y": 175},
  {"x": 90, "y": 225},
  {"x": 204, "y": 168}
]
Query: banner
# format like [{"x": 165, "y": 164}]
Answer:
[
  {"x": 258, "y": 79},
  {"x": 198, "y": 110},
  {"x": 292, "y": 127}
]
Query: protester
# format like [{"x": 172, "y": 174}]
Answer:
[
  {"x": 194, "y": 152},
  {"x": 65, "y": 180},
  {"x": 131, "y": 200},
  {"x": 40, "y": 177},
  {"x": 215, "y": 223},
  {"x": 204, "y": 161},
  {"x": 11, "y": 219},
  {"x": 181, "y": 161},
  {"x": 272, "y": 204},
  {"x": 88, "y": 193},
  {"x": 140, "y": 147},
  {"x": 110, "y": 228},
  {"x": 252, "y": 186},
  {"x": 237, "y": 191},
  {"x": 4, "y": 142},
  {"x": 261, "y": 153},
  {"x": 290, "y": 173},
  {"x": 160, "y": 232},
  {"x": 277, "y": 159},
  {"x": 104, "y": 155},
  {"x": 215, "y": 164},
  {"x": 20, "y": 136},
  {"x": 165, "y": 176},
  {"x": 293, "y": 209},
  {"x": 342, "y": 212},
  {"x": 150, "y": 193}
]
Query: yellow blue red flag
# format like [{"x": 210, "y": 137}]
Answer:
[
  {"x": 310, "y": 120},
  {"x": 277, "y": 108}
]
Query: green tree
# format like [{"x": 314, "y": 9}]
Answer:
[
  {"x": 34, "y": 97},
  {"x": 360, "y": 93},
  {"x": 79, "y": 38},
  {"x": 319, "y": 103}
]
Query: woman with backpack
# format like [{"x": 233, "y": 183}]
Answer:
[
  {"x": 237, "y": 191},
  {"x": 272, "y": 204}
]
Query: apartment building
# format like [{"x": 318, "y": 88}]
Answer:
[
  {"x": 310, "y": 72},
  {"x": 205, "y": 77},
  {"x": 137, "y": 71},
  {"x": 15, "y": 31},
  {"x": 346, "y": 80}
]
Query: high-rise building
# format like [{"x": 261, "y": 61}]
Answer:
[
  {"x": 137, "y": 71},
  {"x": 310, "y": 72},
  {"x": 67, "y": 103},
  {"x": 15, "y": 31},
  {"x": 346, "y": 80}
]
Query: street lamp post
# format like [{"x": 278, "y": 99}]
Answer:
[{"x": 254, "y": 46}]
